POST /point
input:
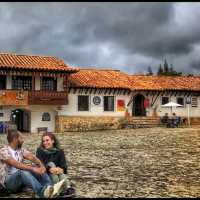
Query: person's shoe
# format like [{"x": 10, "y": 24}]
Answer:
[
  {"x": 58, "y": 188},
  {"x": 48, "y": 191},
  {"x": 69, "y": 192}
]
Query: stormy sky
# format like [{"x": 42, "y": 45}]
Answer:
[{"x": 129, "y": 36}]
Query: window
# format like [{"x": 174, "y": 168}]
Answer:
[
  {"x": 49, "y": 83},
  {"x": 1, "y": 114},
  {"x": 21, "y": 82},
  {"x": 165, "y": 100},
  {"x": 108, "y": 103},
  {"x": 83, "y": 103},
  {"x": 2, "y": 82},
  {"x": 180, "y": 100},
  {"x": 46, "y": 117},
  {"x": 194, "y": 102}
]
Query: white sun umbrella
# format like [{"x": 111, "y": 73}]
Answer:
[{"x": 171, "y": 105}]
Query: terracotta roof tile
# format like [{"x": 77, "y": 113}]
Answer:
[
  {"x": 96, "y": 78},
  {"x": 33, "y": 62},
  {"x": 165, "y": 82}
]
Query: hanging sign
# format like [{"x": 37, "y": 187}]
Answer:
[
  {"x": 188, "y": 100},
  {"x": 120, "y": 105}
]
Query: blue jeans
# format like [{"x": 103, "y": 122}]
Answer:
[{"x": 23, "y": 178}]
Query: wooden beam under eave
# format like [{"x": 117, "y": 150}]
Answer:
[
  {"x": 80, "y": 90},
  {"x": 189, "y": 94},
  {"x": 124, "y": 93},
  {"x": 90, "y": 90},
  {"x": 100, "y": 91},
  {"x": 74, "y": 92},
  {"x": 118, "y": 92},
  {"x": 95, "y": 90},
  {"x": 68, "y": 90},
  {"x": 105, "y": 91},
  {"x": 110, "y": 91},
  {"x": 115, "y": 90}
]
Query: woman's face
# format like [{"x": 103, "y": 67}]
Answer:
[{"x": 47, "y": 142}]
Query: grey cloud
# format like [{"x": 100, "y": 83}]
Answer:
[{"x": 129, "y": 36}]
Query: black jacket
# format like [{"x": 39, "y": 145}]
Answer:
[{"x": 58, "y": 158}]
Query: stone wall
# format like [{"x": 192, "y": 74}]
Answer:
[
  {"x": 80, "y": 123},
  {"x": 70, "y": 123}
]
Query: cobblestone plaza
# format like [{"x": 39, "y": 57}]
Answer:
[{"x": 151, "y": 162}]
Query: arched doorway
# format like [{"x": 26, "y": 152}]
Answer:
[
  {"x": 21, "y": 118},
  {"x": 138, "y": 106}
]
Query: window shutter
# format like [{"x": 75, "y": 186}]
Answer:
[{"x": 194, "y": 102}]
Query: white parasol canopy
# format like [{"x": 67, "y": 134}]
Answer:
[{"x": 171, "y": 105}]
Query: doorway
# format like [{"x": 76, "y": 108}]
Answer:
[
  {"x": 2, "y": 82},
  {"x": 21, "y": 118},
  {"x": 138, "y": 106}
]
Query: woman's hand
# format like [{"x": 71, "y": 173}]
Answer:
[
  {"x": 60, "y": 170},
  {"x": 56, "y": 170}
]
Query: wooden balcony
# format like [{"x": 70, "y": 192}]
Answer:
[
  {"x": 13, "y": 98},
  {"x": 48, "y": 98}
]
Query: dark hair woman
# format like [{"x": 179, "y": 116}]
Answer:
[{"x": 53, "y": 158}]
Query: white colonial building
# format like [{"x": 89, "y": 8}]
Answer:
[{"x": 43, "y": 93}]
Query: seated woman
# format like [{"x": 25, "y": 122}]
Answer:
[
  {"x": 53, "y": 158},
  {"x": 165, "y": 118}
]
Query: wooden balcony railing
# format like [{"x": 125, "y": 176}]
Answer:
[
  {"x": 13, "y": 97},
  {"x": 48, "y": 97}
]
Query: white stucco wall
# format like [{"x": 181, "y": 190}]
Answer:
[
  {"x": 36, "y": 117},
  {"x": 180, "y": 111},
  {"x": 94, "y": 110},
  {"x": 97, "y": 110}
]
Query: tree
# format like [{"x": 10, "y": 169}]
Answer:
[
  {"x": 171, "y": 69},
  {"x": 166, "y": 67},
  {"x": 160, "y": 70},
  {"x": 168, "y": 71},
  {"x": 149, "y": 71}
]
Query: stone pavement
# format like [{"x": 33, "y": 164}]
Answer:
[{"x": 149, "y": 162}]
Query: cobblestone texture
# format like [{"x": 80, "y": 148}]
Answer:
[{"x": 151, "y": 162}]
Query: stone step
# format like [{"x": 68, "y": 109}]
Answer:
[{"x": 142, "y": 122}]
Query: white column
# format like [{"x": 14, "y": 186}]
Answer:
[
  {"x": 60, "y": 84},
  {"x": 37, "y": 83},
  {"x": 8, "y": 82}
]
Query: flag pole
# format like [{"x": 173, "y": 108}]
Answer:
[{"x": 188, "y": 105}]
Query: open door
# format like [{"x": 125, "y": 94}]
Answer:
[
  {"x": 138, "y": 106},
  {"x": 22, "y": 120}
]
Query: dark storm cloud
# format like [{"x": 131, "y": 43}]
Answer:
[{"x": 129, "y": 36}]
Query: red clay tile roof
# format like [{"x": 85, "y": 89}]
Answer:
[
  {"x": 100, "y": 78},
  {"x": 142, "y": 82},
  {"x": 96, "y": 78},
  {"x": 33, "y": 62}
]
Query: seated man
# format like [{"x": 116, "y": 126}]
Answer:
[
  {"x": 165, "y": 118},
  {"x": 14, "y": 174},
  {"x": 175, "y": 121}
]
